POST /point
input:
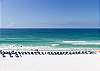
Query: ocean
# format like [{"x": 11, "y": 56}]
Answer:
[{"x": 50, "y": 37}]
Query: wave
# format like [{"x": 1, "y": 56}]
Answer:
[
  {"x": 86, "y": 43},
  {"x": 73, "y": 41},
  {"x": 82, "y": 42},
  {"x": 52, "y": 44},
  {"x": 55, "y": 44}
]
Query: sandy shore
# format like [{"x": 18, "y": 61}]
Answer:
[{"x": 51, "y": 63}]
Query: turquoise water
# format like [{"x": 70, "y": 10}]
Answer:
[{"x": 55, "y": 38}]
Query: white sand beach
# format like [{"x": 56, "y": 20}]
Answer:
[{"x": 51, "y": 63}]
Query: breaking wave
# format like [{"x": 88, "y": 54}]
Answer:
[{"x": 82, "y": 42}]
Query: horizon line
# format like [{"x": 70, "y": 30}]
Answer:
[{"x": 50, "y": 28}]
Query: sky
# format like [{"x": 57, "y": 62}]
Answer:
[{"x": 49, "y": 13}]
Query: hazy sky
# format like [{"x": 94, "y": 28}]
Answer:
[{"x": 49, "y": 13}]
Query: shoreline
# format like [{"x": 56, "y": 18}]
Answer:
[{"x": 38, "y": 51}]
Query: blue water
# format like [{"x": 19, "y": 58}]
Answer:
[{"x": 55, "y": 38}]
